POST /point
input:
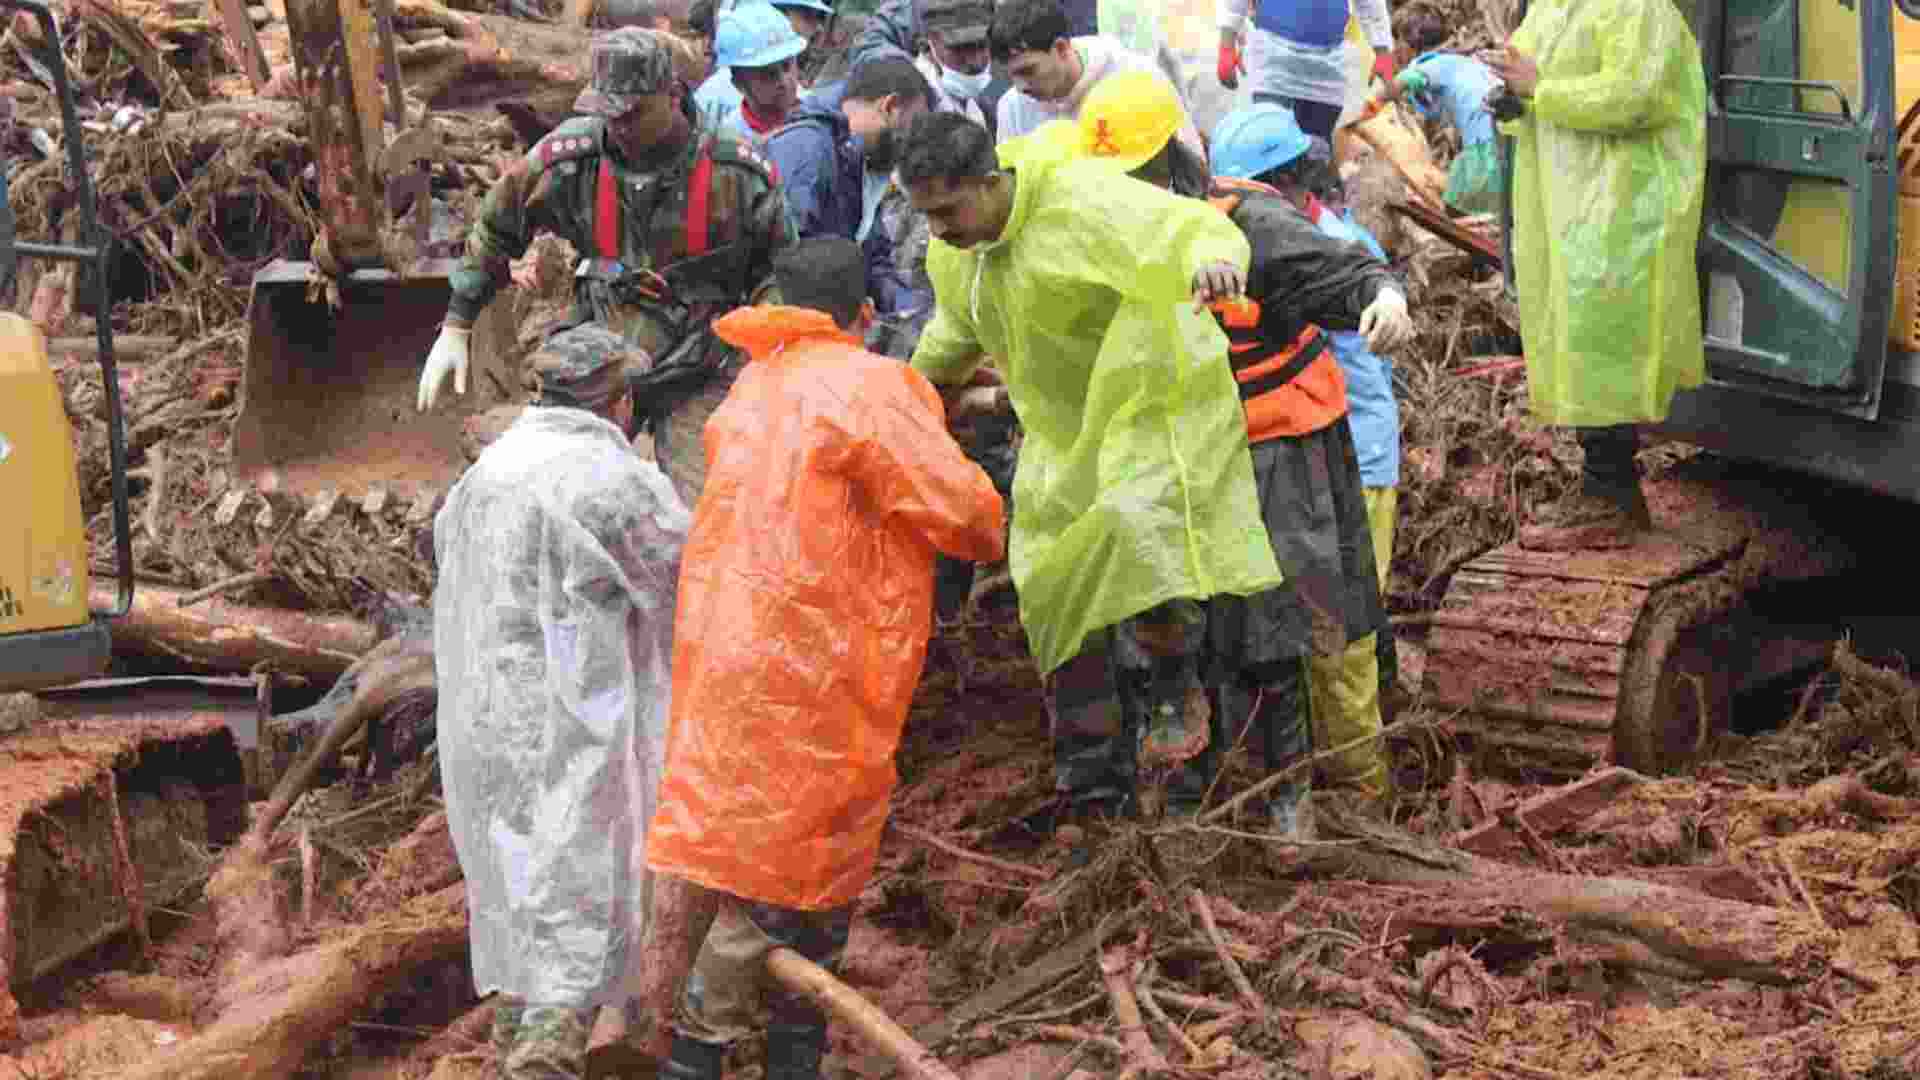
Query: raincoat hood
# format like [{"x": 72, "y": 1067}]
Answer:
[
  {"x": 806, "y": 598},
  {"x": 1134, "y": 483},
  {"x": 764, "y": 331}
]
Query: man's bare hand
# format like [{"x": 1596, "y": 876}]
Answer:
[{"x": 1217, "y": 281}]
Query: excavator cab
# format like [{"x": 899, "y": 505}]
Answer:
[{"x": 48, "y": 635}]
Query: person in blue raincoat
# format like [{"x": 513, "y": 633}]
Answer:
[
  {"x": 1456, "y": 87},
  {"x": 1610, "y": 165}
]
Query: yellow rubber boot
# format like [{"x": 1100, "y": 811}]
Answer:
[
  {"x": 1383, "y": 505},
  {"x": 1344, "y": 690}
]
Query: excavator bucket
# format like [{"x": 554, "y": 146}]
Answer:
[
  {"x": 114, "y": 792},
  {"x": 327, "y": 402}
]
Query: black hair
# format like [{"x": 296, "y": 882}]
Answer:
[
  {"x": 888, "y": 76},
  {"x": 1026, "y": 26},
  {"x": 1191, "y": 176},
  {"x": 1296, "y": 173},
  {"x": 946, "y": 146},
  {"x": 701, "y": 16},
  {"x": 825, "y": 273},
  {"x": 1423, "y": 31}
]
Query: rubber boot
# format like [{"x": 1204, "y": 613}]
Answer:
[
  {"x": 1610, "y": 510},
  {"x": 796, "y": 1049},
  {"x": 692, "y": 1059},
  {"x": 1288, "y": 737}
]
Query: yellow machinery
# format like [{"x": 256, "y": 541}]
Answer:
[
  {"x": 335, "y": 344},
  {"x": 112, "y": 785},
  {"x": 1809, "y": 262}
]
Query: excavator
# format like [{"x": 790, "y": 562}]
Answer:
[
  {"x": 1809, "y": 262},
  {"x": 335, "y": 342},
  {"x": 111, "y": 785}
]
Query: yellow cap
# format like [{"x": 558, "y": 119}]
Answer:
[{"x": 1128, "y": 117}]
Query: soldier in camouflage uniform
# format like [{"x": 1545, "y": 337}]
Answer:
[{"x": 675, "y": 226}]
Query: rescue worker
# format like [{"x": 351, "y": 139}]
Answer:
[
  {"x": 1609, "y": 176},
  {"x": 799, "y": 660},
  {"x": 558, "y": 551},
  {"x": 675, "y": 225},
  {"x": 1294, "y": 55},
  {"x": 1373, "y": 411},
  {"x": 1301, "y": 282},
  {"x": 1134, "y": 485},
  {"x": 1053, "y": 72},
  {"x": 1457, "y": 87},
  {"x": 755, "y": 83},
  {"x": 956, "y": 60},
  {"x": 834, "y": 157}
]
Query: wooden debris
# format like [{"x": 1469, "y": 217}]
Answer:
[
  {"x": 218, "y": 636},
  {"x": 1549, "y": 812}
]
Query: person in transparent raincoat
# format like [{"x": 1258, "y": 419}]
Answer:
[{"x": 558, "y": 555}]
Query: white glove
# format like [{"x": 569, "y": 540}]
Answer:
[
  {"x": 449, "y": 355},
  {"x": 1385, "y": 324}
]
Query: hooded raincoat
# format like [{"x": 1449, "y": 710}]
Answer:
[
  {"x": 1609, "y": 174},
  {"x": 1134, "y": 483},
  {"x": 552, "y": 622},
  {"x": 805, "y": 605}
]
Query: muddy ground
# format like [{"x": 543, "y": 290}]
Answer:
[{"x": 1367, "y": 952}]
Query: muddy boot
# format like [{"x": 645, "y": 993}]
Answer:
[
  {"x": 796, "y": 1051},
  {"x": 1610, "y": 511},
  {"x": 1284, "y": 721},
  {"x": 692, "y": 1059}
]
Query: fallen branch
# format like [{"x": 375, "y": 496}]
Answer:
[
  {"x": 1147, "y": 1002},
  {"x": 1686, "y": 932},
  {"x": 803, "y": 976},
  {"x": 243, "y": 894},
  {"x": 270, "y": 1018},
  {"x": 1548, "y": 812},
  {"x": 1116, "y": 971},
  {"x": 1018, "y": 869},
  {"x": 228, "y": 638},
  {"x": 221, "y": 588},
  {"x": 1197, "y": 900}
]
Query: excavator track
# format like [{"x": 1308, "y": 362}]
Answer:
[
  {"x": 109, "y": 803},
  {"x": 1557, "y": 661}
]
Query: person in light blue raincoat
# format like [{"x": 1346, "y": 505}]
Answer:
[{"x": 1456, "y": 87}]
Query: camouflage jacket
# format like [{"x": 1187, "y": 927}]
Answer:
[{"x": 555, "y": 188}]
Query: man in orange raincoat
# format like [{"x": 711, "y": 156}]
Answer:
[{"x": 806, "y": 599}]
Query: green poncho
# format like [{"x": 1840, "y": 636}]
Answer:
[
  {"x": 1609, "y": 172},
  {"x": 1134, "y": 485}
]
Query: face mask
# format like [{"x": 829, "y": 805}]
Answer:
[{"x": 961, "y": 85}]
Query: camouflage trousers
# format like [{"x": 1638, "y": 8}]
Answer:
[
  {"x": 1131, "y": 684},
  {"x": 541, "y": 1042},
  {"x": 730, "y": 996}
]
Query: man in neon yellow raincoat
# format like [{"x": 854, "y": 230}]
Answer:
[
  {"x": 1609, "y": 174},
  {"x": 1134, "y": 488}
]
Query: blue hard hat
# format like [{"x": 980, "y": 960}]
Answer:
[
  {"x": 755, "y": 35},
  {"x": 820, "y": 6},
  {"x": 1252, "y": 140}
]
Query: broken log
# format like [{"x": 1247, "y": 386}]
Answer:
[
  {"x": 224, "y": 638},
  {"x": 249, "y": 923},
  {"x": 1549, "y": 812},
  {"x": 845, "y": 1004},
  {"x": 269, "y": 1019},
  {"x": 1404, "y": 148},
  {"x": 1634, "y": 923},
  {"x": 126, "y": 348}
]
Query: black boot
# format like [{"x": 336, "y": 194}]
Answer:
[
  {"x": 1610, "y": 510},
  {"x": 796, "y": 1050},
  {"x": 693, "y": 1059},
  {"x": 1288, "y": 732}
]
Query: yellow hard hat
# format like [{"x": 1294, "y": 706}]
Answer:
[{"x": 1128, "y": 117}]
